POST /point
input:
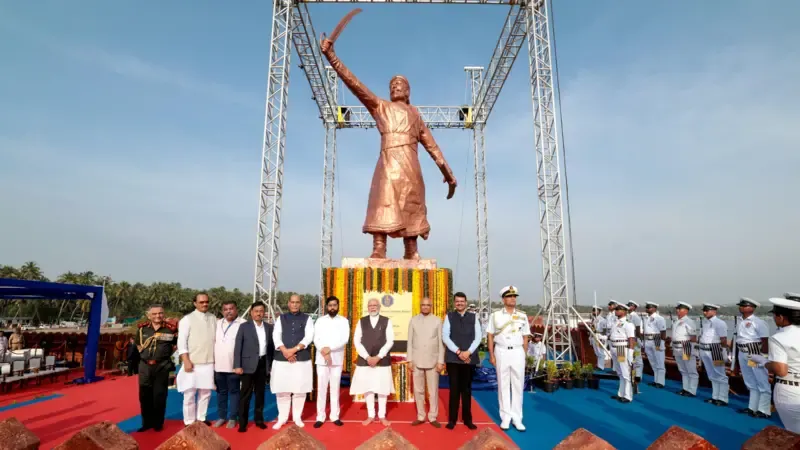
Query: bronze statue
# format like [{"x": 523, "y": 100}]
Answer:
[{"x": 397, "y": 194}]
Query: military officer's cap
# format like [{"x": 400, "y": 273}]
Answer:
[
  {"x": 621, "y": 307},
  {"x": 631, "y": 302},
  {"x": 612, "y": 302},
  {"x": 710, "y": 307},
  {"x": 509, "y": 291},
  {"x": 788, "y": 303},
  {"x": 596, "y": 308},
  {"x": 537, "y": 334},
  {"x": 683, "y": 305},
  {"x": 649, "y": 304},
  {"x": 744, "y": 301},
  {"x": 792, "y": 295}
]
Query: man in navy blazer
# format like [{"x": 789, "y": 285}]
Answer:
[{"x": 252, "y": 359}]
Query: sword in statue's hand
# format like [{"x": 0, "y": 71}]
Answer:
[{"x": 340, "y": 27}]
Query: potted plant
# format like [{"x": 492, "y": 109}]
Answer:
[
  {"x": 588, "y": 374},
  {"x": 566, "y": 375},
  {"x": 577, "y": 375},
  {"x": 551, "y": 370}
]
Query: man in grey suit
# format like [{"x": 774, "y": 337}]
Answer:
[
  {"x": 426, "y": 356},
  {"x": 252, "y": 358}
]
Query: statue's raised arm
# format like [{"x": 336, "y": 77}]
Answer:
[{"x": 362, "y": 93}]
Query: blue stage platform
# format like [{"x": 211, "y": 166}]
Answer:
[{"x": 549, "y": 418}]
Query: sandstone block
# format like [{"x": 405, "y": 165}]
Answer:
[
  {"x": 388, "y": 439},
  {"x": 582, "y": 439},
  {"x": 676, "y": 438},
  {"x": 14, "y": 436},
  {"x": 771, "y": 438},
  {"x": 292, "y": 438},
  {"x": 100, "y": 436},
  {"x": 197, "y": 436},
  {"x": 362, "y": 263},
  {"x": 488, "y": 439}
]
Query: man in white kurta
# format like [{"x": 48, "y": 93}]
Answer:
[
  {"x": 195, "y": 380},
  {"x": 373, "y": 338},
  {"x": 291, "y": 377},
  {"x": 331, "y": 334}
]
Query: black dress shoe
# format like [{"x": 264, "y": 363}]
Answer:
[
  {"x": 471, "y": 426},
  {"x": 709, "y": 400},
  {"x": 207, "y": 422},
  {"x": 242, "y": 430},
  {"x": 747, "y": 411},
  {"x": 143, "y": 429},
  {"x": 614, "y": 397},
  {"x": 261, "y": 425},
  {"x": 760, "y": 415},
  {"x": 720, "y": 403},
  {"x": 450, "y": 426},
  {"x": 158, "y": 428},
  {"x": 624, "y": 400},
  {"x": 317, "y": 424},
  {"x": 338, "y": 423}
]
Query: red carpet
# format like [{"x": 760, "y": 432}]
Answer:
[{"x": 116, "y": 400}]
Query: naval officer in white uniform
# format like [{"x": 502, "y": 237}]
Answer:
[
  {"x": 655, "y": 336},
  {"x": 684, "y": 335},
  {"x": 622, "y": 342},
  {"x": 784, "y": 359},
  {"x": 752, "y": 338},
  {"x": 508, "y": 332},
  {"x": 638, "y": 361},
  {"x": 713, "y": 353},
  {"x": 598, "y": 324}
]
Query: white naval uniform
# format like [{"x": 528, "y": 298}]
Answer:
[
  {"x": 509, "y": 331},
  {"x": 653, "y": 325},
  {"x": 713, "y": 330},
  {"x": 623, "y": 356},
  {"x": 599, "y": 324},
  {"x": 638, "y": 362},
  {"x": 334, "y": 333},
  {"x": 538, "y": 351},
  {"x": 290, "y": 382},
  {"x": 370, "y": 381},
  {"x": 685, "y": 357},
  {"x": 749, "y": 333},
  {"x": 784, "y": 347},
  {"x": 196, "y": 385}
]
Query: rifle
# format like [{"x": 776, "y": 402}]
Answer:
[{"x": 733, "y": 344}]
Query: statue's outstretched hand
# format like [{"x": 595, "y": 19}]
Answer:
[
  {"x": 326, "y": 47},
  {"x": 451, "y": 187}
]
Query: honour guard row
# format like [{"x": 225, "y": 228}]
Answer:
[
  {"x": 621, "y": 333},
  {"x": 237, "y": 357}
]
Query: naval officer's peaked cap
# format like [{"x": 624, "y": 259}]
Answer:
[
  {"x": 631, "y": 302},
  {"x": 792, "y": 295},
  {"x": 596, "y": 308},
  {"x": 710, "y": 307},
  {"x": 622, "y": 307},
  {"x": 508, "y": 291},
  {"x": 649, "y": 304},
  {"x": 745, "y": 301},
  {"x": 612, "y": 302},
  {"x": 683, "y": 305},
  {"x": 788, "y": 303}
]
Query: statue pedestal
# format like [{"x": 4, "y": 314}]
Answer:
[
  {"x": 399, "y": 285},
  {"x": 374, "y": 263}
]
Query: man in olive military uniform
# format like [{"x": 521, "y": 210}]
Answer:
[{"x": 156, "y": 342}]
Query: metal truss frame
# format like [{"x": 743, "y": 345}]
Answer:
[{"x": 527, "y": 19}]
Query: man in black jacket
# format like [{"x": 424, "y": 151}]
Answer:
[{"x": 252, "y": 359}]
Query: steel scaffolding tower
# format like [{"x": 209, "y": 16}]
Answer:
[{"x": 291, "y": 22}]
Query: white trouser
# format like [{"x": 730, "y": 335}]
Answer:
[
  {"x": 638, "y": 362},
  {"x": 296, "y": 401},
  {"x": 717, "y": 375},
  {"x": 623, "y": 370},
  {"x": 510, "y": 382},
  {"x": 328, "y": 375},
  {"x": 656, "y": 358},
  {"x": 757, "y": 381},
  {"x": 687, "y": 368},
  {"x": 369, "y": 398},
  {"x": 787, "y": 404},
  {"x": 599, "y": 353},
  {"x": 195, "y": 409}
]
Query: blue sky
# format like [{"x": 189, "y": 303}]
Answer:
[{"x": 130, "y": 140}]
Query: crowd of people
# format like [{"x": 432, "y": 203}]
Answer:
[
  {"x": 238, "y": 358},
  {"x": 623, "y": 333}
]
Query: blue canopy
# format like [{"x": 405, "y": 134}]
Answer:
[{"x": 44, "y": 290}]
